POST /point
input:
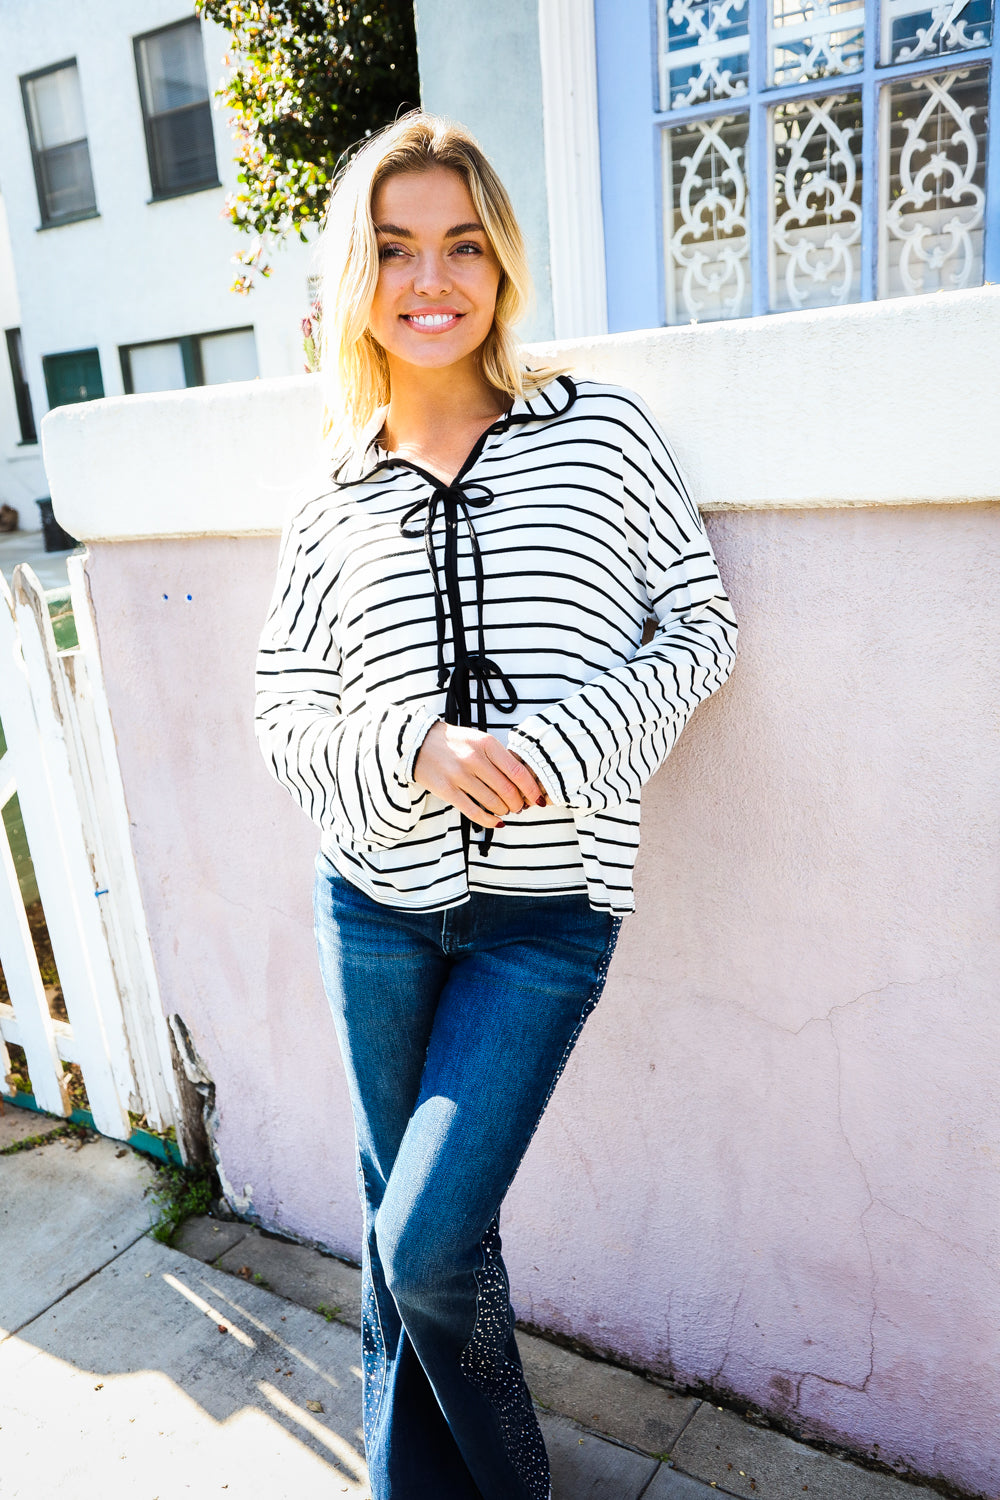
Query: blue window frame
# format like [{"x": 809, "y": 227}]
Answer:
[{"x": 764, "y": 155}]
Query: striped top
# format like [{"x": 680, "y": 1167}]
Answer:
[{"x": 513, "y": 600}]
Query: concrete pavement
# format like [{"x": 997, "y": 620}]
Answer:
[
  {"x": 29, "y": 546},
  {"x": 132, "y": 1371}
]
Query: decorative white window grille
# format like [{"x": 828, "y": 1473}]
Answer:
[
  {"x": 814, "y": 39},
  {"x": 816, "y": 207},
  {"x": 933, "y": 210},
  {"x": 912, "y": 29},
  {"x": 707, "y": 244},
  {"x": 703, "y": 50},
  {"x": 799, "y": 153}
]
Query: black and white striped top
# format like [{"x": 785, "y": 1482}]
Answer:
[{"x": 566, "y": 529}]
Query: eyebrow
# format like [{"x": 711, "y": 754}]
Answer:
[{"x": 449, "y": 234}]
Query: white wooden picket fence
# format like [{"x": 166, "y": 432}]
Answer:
[{"x": 62, "y": 763}]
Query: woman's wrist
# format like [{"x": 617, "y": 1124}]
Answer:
[{"x": 472, "y": 771}]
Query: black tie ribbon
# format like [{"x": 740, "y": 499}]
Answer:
[{"x": 470, "y": 669}]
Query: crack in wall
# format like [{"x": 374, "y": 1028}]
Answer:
[
  {"x": 937, "y": 1235},
  {"x": 732, "y": 1324},
  {"x": 797, "y": 1378},
  {"x": 201, "y": 1132},
  {"x": 890, "y": 984},
  {"x": 848, "y": 1385},
  {"x": 258, "y": 907}
]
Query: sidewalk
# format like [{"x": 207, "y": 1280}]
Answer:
[
  {"x": 29, "y": 547},
  {"x": 229, "y": 1365}
]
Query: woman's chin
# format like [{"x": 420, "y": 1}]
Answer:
[{"x": 431, "y": 356}]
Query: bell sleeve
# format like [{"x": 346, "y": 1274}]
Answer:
[
  {"x": 350, "y": 772},
  {"x": 595, "y": 749}
]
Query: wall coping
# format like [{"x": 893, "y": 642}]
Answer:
[{"x": 877, "y": 404}]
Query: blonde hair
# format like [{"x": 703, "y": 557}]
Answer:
[{"x": 353, "y": 365}]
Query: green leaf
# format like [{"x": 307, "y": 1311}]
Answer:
[{"x": 309, "y": 81}]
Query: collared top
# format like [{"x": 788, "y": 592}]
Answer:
[{"x": 512, "y": 600}]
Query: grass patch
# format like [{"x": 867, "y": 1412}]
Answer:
[
  {"x": 179, "y": 1193},
  {"x": 63, "y": 623},
  {"x": 18, "y": 1078},
  {"x": 29, "y": 1142}
]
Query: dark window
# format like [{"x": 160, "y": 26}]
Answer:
[
  {"x": 72, "y": 377},
  {"x": 54, "y": 109},
  {"x": 22, "y": 395},
  {"x": 176, "y": 109},
  {"x": 194, "y": 359}
]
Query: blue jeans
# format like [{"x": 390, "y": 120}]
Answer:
[{"x": 454, "y": 1028}]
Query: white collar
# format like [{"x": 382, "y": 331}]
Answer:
[{"x": 362, "y": 458}]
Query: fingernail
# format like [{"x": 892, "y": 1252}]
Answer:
[
  {"x": 541, "y": 802},
  {"x": 500, "y": 825}
]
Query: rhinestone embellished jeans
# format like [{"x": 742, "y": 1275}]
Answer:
[{"x": 454, "y": 1027}]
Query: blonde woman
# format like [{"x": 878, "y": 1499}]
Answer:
[{"x": 452, "y": 684}]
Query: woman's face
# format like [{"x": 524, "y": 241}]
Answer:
[{"x": 438, "y": 273}]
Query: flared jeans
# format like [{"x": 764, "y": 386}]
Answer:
[{"x": 454, "y": 1027}]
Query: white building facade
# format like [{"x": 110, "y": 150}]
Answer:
[{"x": 116, "y": 262}]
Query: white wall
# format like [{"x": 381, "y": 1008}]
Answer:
[
  {"x": 811, "y": 442},
  {"x": 460, "y": 79},
  {"x": 140, "y": 270}
]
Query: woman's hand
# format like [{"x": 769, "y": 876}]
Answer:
[{"x": 475, "y": 773}]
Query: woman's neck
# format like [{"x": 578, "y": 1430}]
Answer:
[{"x": 435, "y": 416}]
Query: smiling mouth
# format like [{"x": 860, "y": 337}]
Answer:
[{"x": 432, "y": 322}]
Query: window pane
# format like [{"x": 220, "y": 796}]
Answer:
[
  {"x": 815, "y": 39},
  {"x": 56, "y": 108},
  {"x": 177, "y": 108},
  {"x": 934, "y": 183},
  {"x": 173, "y": 65},
  {"x": 59, "y": 137},
  {"x": 157, "y": 367},
  {"x": 705, "y": 230},
  {"x": 228, "y": 356},
  {"x": 703, "y": 50},
  {"x": 912, "y": 28},
  {"x": 66, "y": 183},
  {"x": 183, "y": 149},
  {"x": 816, "y": 223}
]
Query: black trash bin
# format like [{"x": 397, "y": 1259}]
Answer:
[{"x": 56, "y": 540}]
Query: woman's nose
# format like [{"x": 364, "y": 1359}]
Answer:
[{"x": 431, "y": 276}]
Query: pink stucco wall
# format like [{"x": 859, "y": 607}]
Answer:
[{"x": 772, "y": 1164}]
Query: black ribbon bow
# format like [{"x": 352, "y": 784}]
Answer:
[{"x": 453, "y": 503}]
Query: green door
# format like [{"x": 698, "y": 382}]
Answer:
[{"x": 73, "y": 377}]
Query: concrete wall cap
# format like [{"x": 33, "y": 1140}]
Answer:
[{"x": 851, "y": 406}]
